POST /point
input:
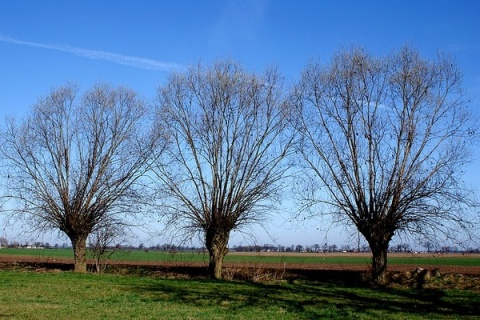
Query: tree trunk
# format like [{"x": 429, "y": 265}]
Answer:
[
  {"x": 216, "y": 242},
  {"x": 215, "y": 265},
  {"x": 98, "y": 265},
  {"x": 379, "y": 263},
  {"x": 79, "y": 244}
]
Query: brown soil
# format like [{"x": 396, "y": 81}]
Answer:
[{"x": 465, "y": 270}]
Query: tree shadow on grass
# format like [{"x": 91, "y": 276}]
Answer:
[
  {"x": 313, "y": 300},
  {"x": 412, "y": 302}
]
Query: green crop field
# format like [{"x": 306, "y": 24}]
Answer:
[
  {"x": 274, "y": 258},
  {"x": 65, "y": 295}
]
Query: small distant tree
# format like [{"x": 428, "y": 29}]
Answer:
[
  {"x": 445, "y": 249},
  {"x": 427, "y": 244},
  {"x": 38, "y": 244},
  {"x": 102, "y": 243},
  {"x": 385, "y": 142},
  {"x": 75, "y": 163},
  {"x": 14, "y": 244},
  {"x": 402, "y": 247},
  {"x": 325, "y": 247},
  {"x": 3, "y": 242}
]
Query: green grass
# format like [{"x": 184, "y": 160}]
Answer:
[
  {"x": 437, "y": 260},
  {"x": 140, "y": 255},
  {"x": 52, "y": 253},
  {"x": 65, "y": 295}
]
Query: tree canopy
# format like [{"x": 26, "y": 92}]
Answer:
[
  {"x": 229, "y": 148},
  {"x": 386, "y": 140},
  {"x": 74, "y": 164}
]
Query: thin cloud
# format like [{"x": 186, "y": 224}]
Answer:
[{"x": 136, "y": 62}]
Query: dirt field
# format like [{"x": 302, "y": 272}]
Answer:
[
  {"x": 444, "y": 269},
  {"x": 467, "y": 270}
]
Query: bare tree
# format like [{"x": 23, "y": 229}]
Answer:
[
  {"x": 75, "y": 165},
  {"x": 385, "y": 141},
  {"x": 227, "y": 158},
  {"x": 428, "y": 245},
  {"x": 101, "y": 243},
  {"x": 3, "y": 242}
]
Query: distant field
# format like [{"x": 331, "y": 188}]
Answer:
[
  {"x": 264, "y": 257},
  {"x": 357, "y": 258}
]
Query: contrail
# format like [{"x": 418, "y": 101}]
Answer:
[{"x": 136, "y": 62}]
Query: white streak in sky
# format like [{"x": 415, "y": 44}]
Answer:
[{"x": 136, "y": 62}]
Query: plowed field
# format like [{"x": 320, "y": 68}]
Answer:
[{"x": 65, "y": 263}]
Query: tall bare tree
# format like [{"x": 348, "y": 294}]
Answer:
[
  {"x": 229, "y": 144},
  {"x": 75, "y": 164},
  {"x": 385, "y": 141}
]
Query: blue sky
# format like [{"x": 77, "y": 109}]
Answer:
[{"x": 44, "y": 44}]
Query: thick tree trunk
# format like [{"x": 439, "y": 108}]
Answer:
[
  {"x": 379, "y": 263},
  {"x": 215, "y": 265},
  {"x": 79, "y": 244},
  {"x": 216, "y": 242}
]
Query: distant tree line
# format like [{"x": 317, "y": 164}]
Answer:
[{"x": 315, "y": 248}]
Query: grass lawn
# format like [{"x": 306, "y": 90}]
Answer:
[{"x": 65, "y": 295}]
